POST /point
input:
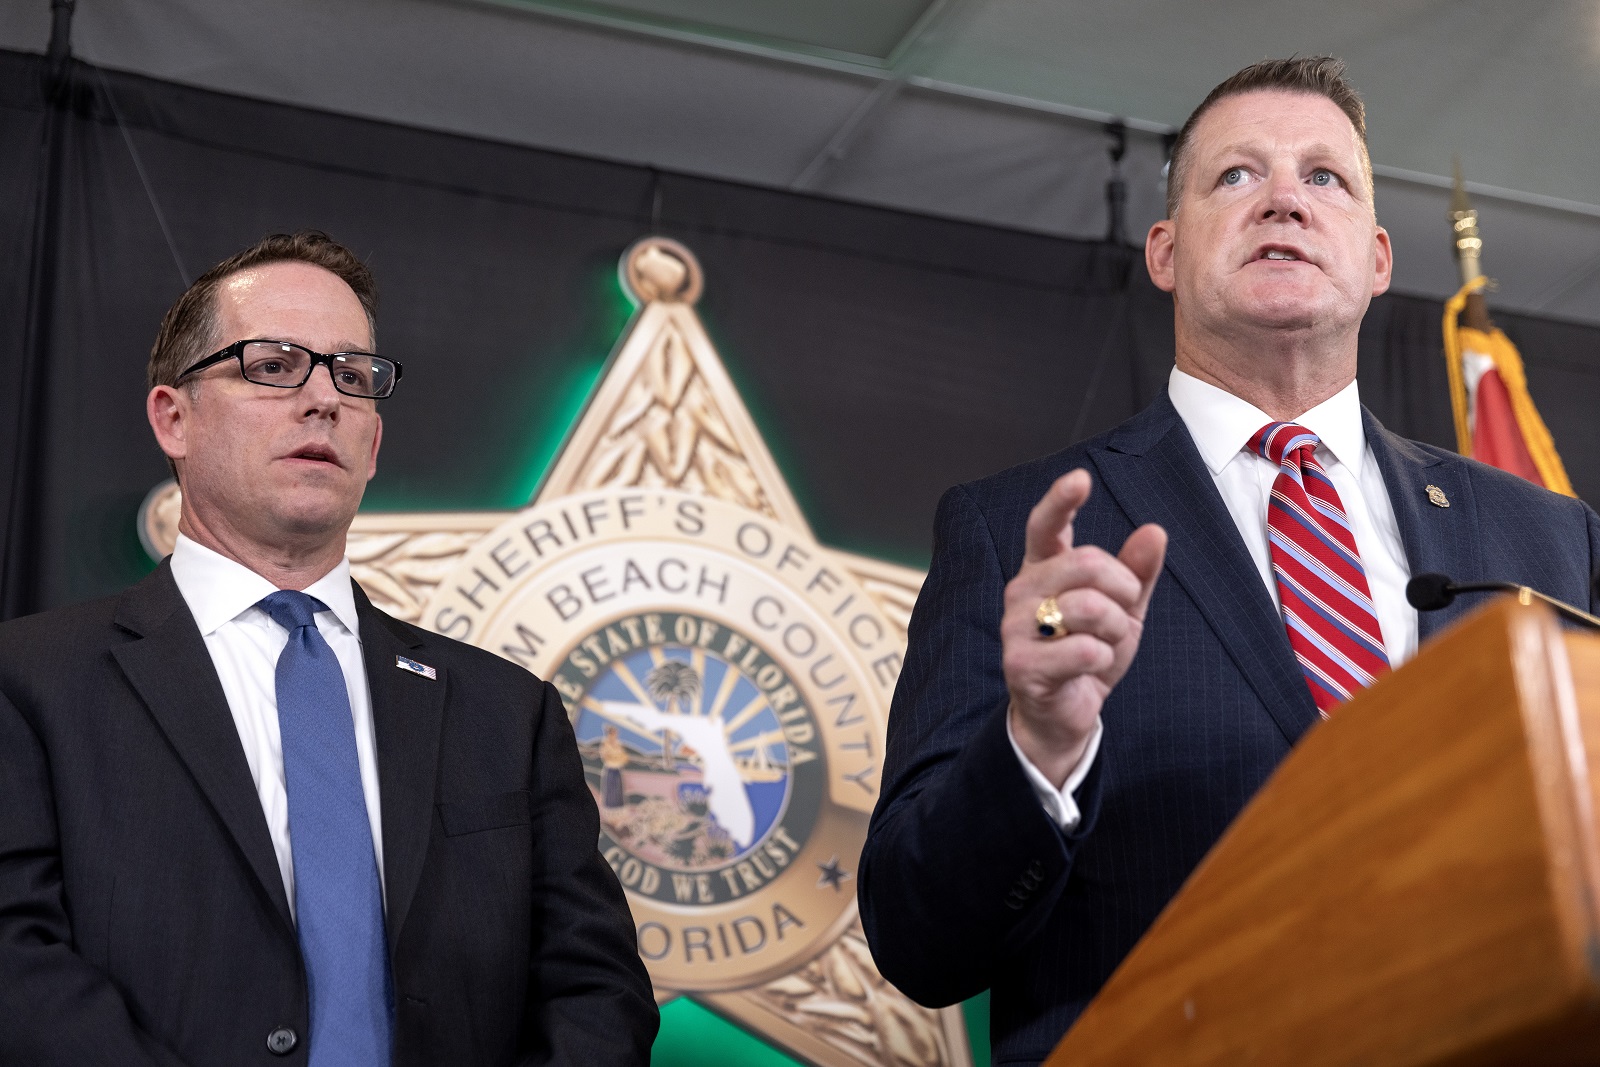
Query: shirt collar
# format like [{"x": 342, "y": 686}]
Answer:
[
  {"x": 1222, "y": 424},
  {"x": 219, "y": 590}
]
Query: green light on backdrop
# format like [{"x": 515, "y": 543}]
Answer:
[
  {"x": 693, "y": 1036},
  {"x": 976, "y": 1014},
  {"x": 571, "y": 398}
]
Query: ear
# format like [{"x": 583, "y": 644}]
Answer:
[
  {"x": 169, "y": 410},
  {"x": 377, "y": 439},
  {"x": 1158, "y": 252},
  {"x": 1384, "y": 264}
]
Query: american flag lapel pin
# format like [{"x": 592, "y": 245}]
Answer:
[{"x": 416, "y": 668}]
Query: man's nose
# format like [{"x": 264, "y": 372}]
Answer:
[
  {"x": 318, "y": 393},
  {"x": 1284, "y": 199}
]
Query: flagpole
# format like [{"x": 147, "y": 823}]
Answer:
[
  {"x": 1468, "y": 248},
  {"x": 1495, "y": 417}
]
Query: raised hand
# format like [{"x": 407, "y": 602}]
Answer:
[{"x": 1058, "y": 685}]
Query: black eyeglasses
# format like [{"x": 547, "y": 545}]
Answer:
[{"x": 288, "y": 366}]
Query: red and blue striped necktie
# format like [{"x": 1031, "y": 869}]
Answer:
[{"x": 1327, "y": 605}]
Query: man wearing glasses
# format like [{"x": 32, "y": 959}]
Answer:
[{"x": 245, "y": 816}]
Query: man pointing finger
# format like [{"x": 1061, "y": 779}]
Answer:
[
  {"x": 1073, "y": 729},
  {"x": 1090, "y": 607}
]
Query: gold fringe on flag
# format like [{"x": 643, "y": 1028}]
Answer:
[{"x": 1498, "y": 347}]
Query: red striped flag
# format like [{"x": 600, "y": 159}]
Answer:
[{"x": 1496, "y": 420}]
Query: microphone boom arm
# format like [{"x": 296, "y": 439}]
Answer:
[
  {"x": 1430, "y": 592},
  {"x": 1526, "y": 595}
]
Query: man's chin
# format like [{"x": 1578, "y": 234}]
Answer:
[
  {"x": 1295, "y": 303},
  {"x": 1281, "y": 320},
  {"x": 316, "y": 516},
  {"x": 1283, "y": 309}
]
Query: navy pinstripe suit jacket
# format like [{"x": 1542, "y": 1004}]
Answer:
[{"x": 965, "y": 883}]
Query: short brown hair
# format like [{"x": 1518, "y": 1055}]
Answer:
[
  {"x": 1316, "y": 75},
  {"x": 188, "y": 331}
]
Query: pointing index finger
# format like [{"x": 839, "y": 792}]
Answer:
[{"x": 1050, "y": 523}]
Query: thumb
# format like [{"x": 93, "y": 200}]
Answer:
[{"x": 1143, "y": 553}]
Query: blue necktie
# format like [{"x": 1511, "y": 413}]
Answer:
[{"x": 338, "y": 899}]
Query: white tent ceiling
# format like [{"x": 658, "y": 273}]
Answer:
[{"x": 988, "y": 110}]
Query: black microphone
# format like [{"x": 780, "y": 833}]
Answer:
[{"x": 1430, "y": 592}]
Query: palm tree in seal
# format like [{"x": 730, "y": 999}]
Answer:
[{"x": 668, "y": 682}]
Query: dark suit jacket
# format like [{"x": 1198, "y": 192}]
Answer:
[
  {"x": 965, "y": 883},
  {"x": 143, "y": 918}
]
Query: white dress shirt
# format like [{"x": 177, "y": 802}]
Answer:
[
  {"x": 244, "y": 643},
  {"x": 1222, "y": 425}
]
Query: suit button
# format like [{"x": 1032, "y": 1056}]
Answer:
[{"x": 282, "y": 1041}]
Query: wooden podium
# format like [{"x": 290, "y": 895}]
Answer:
[{"x": 1418, "y": 883}]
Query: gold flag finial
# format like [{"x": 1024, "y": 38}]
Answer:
[{"x": 1464, "y": 222}]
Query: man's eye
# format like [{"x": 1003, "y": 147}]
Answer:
[
  {"x": 1324, "y": 177},
  {"x": 1233, "y": 176}
]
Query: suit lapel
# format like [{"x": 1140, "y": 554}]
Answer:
[
  {"x": 1437, "y": 540},
  {"x": 407, "y": 716},
  {"x": 171, "y": 670},
  {"x": 1154, "y": 472}
]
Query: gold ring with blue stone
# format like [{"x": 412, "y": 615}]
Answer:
[{"x": 1051, "y": 622}]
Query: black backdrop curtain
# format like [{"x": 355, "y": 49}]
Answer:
[{"x": 885, "y": 355}]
